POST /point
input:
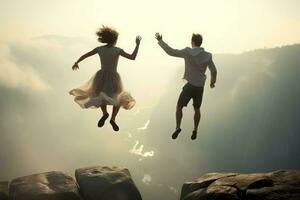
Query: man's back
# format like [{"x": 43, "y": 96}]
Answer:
[{"x": 196, "y": 62}]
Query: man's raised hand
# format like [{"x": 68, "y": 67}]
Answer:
[
  {"x": 158, "y": 36},
  {"x": 138, "y": 40}
]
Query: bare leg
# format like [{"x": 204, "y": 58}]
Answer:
[
  {"x": 178, "y": 117},
  {"x": 178, "y": 122},
  {"x": 113, "y": 118},
  {"x": 115, "y": 113},
  {"x": 105, "y": 115},
  {"x": 104, "y": 109},
  {"x": 197, "y": 117}
]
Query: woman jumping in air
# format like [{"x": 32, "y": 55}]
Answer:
[{"x": 105, "y": 87}]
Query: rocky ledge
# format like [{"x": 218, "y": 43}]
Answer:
[
  {"x": 115, "y": 183},
  {"x": 277, "y": 185},
  {"x": 3, "y": 190},
  {"x": 92, "y": 183}
]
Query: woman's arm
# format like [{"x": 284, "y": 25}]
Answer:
[
  {"x": 134, "y": 53},
  {"x": 84, "y": 56}
]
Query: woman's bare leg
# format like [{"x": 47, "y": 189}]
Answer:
[
  {"x": 115, "y": 112},
  {"x": 113, "y": 118},
  {"x": 104, "y": 109},
  {"x": 104, "y": 117}
]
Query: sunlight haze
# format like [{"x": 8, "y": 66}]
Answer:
[
  {"x": 227, "y": 25},
  {"x": 250, "y": 120}
]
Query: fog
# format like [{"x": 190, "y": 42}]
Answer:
[{"x": 249, "y": 121}]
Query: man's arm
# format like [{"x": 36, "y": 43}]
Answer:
[
  {"x": 213, "y": 73},
  {"x": 169, "y": 50}
]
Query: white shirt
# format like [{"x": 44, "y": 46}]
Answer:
[{"x": 196, "y": 62}]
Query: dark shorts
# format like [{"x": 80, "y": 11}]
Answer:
[{"x": 190, "y": 92}]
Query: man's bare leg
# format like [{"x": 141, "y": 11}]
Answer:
[
  {"x": 178, "y": 117},
  {"x": 178, "y": 122},
  {"x": 197, "y": 117}
]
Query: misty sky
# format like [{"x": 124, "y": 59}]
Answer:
[
  {"x": 227, "y": 26},
  {"x": 231, "y": 26},
  {"x": 42, "y": 129}
]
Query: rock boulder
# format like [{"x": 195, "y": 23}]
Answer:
[
  {"x": 3, "y": 190},
  {"x": 284, "y": 184},
  {"x": 45, "y": 186},
  {"x": 106, "y": 183}
]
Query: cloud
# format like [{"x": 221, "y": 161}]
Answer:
[
  {"x": 19, "y": 77},
  {"x": 137, "y": 111},
  {"x": 147, "y": 179},
  {"x": 42, "y": 63},
  {"x": 64, "y": 40},
  {"x": 173, "y": 189},
  {"x": 234, "y": 91}
]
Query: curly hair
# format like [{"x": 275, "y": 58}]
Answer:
[{"x": 107, "y": 35}]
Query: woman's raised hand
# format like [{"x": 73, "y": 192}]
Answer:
[
  {"x": 75, "y": 67},
  {"x": 138, "y": 40},
  {"x": 158, "y": 36}
]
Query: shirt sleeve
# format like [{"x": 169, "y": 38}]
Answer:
[
  {"x": 120, "y": 50},
  {"x": 170, "y": 51},
  {"x": 213, "y": 70}
]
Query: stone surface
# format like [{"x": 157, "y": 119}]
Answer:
[
  {"x": 3, "y": 190},
  {"x": 106, "y": 183},
  {"x": 277, "y": 185},
  {"x": 45, "y": 186}
]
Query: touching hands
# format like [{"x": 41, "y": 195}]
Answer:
[
  {"x": 158, "y": 36},
  {"x": 138, "y": 40},
  {"x": 75, "y": 67}
]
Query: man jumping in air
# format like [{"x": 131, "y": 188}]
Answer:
[{"x": 196, "y": 62}]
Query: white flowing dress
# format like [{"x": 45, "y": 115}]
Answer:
[{"x": 106, "y": 86}]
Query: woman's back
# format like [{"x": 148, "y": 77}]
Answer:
[
  {"x": 109, "y": 57},
  {"x": 106, "y": 87}
]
